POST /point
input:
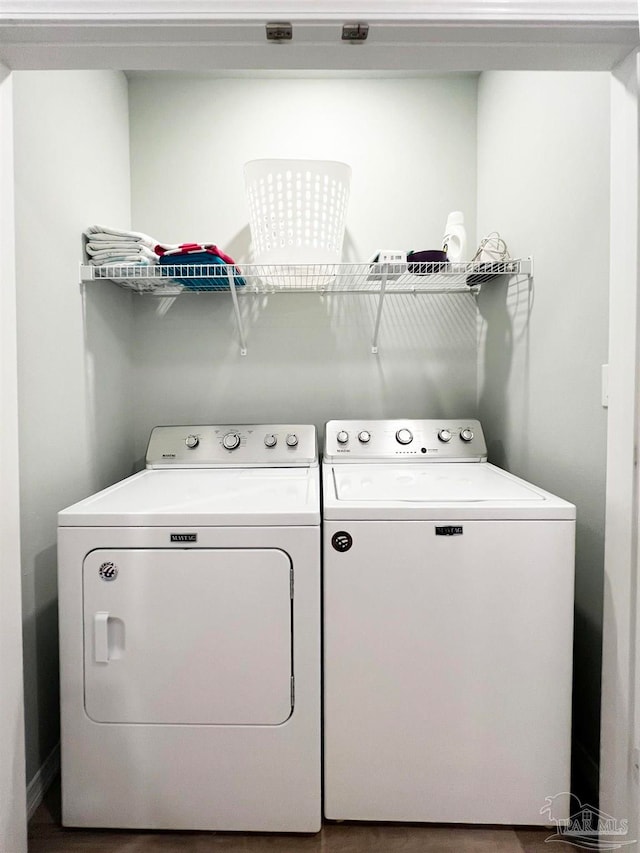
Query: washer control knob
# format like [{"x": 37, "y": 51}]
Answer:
[
  {"x": 343, "y": 436},
  {"x": 231, "y": 440},
  {"x": 364, "y": 436},
  {"x": 444, "y": 435},
  {"x": 467, "y": 434},
  {"x": 292, "y": 439},
  {"x": 192, "y": 441},
  {"x": 404, "y": 436},
  {"x": 270, "y": 440}
]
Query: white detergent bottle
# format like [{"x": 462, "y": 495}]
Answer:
[{"x": 454, "y": 242}]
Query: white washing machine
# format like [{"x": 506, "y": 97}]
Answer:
[
  {"x": 448, "y": 617},
  {"x": 190, "y": 637}
]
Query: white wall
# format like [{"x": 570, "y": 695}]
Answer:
[
  {"x": 91, "y": 376},
  {"x": 411, "y": 145},
  {"x": 543, "y": 166},
  {"x": 619, "y": 778},
  {"x": 13, "y": 835},
  {"x": 71, "y": 169}
]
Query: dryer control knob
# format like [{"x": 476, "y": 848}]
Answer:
[
  {"x": 292, "y": 439},
  {"x": 466, "y": 435},
  {"x": 343, "y": 436},
  {"x": 231, "y": 440},
  {"x": 364, "y": 436},
  {"x": 444, "y": 435},
  {"x": 404, "y": 436},
  {"x": 270, "y": 440},
  {"x": 192, "y": 441}
]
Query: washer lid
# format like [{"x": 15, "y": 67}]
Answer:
[
  {"x": 424, "y": 491},
  {"x": 203, "y": 497}
]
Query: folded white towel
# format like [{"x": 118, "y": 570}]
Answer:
[
  {"x": 95, "y": 248},
  {"x": 100, "y": 237},
  {"x": 111, "y": 245},
  {"x": 100, "y": 230},
  {"x": 110, "y": 255},
  {"x": 121, "y": 259},
  {"x": 112, "y": 238}
]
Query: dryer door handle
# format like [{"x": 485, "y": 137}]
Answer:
[{"x": 101, "y": 637}]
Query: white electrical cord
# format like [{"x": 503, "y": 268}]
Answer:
[{"x": 491, "y": 249}]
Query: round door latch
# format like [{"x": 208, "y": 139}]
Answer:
[
  {"x": 341, "y": 541},
  {"x": 108, "y": 571}
]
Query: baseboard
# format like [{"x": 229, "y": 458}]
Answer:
[
  {"x": 40, "y": 783},
  {"x": 586, "y": 767}
]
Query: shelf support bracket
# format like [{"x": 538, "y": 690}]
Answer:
[
  {"x": 236, "y": 308},
  {"x": 383, "y": 289}
]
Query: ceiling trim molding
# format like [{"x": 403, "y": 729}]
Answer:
[
  {"x": 113, "y": 12},
  {"x": 405, "y": 35}
]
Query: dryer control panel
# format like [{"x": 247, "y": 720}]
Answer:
[
  {"x": 410, "y": 440},
  {"x": 233, "y": 446}
]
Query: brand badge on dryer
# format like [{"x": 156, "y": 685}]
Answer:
[
  {"x": 108, "y": 571},
  {"x": 184, "y": 537},
  {"x": 449, "y": 530}
]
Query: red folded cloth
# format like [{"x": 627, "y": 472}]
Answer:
[{"x": 187, "y": 248}]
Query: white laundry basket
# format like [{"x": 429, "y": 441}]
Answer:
[{"x": 297, "y": 210}]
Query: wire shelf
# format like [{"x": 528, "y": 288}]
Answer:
[
  {"x": 381, "y": 279},
  {"x": 434, "y": 277}
]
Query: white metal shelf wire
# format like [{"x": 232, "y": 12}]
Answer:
[
  {"x": 172, "y": 279},
  {"x": 382, "y": 279}
]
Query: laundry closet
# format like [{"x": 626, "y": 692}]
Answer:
[{"x": 527, "y": 153}]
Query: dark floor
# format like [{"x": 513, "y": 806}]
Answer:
[{"x": 47, "y": 836}]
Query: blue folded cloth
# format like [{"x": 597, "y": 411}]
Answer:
[{"x": 174, "y": 266}]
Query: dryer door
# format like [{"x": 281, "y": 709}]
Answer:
[{"x": 188, "y": 636}]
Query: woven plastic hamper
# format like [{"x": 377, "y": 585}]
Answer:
[{"x": 297, "y": 210}]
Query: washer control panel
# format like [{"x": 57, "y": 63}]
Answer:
[
  {"x": 233, "y": 446},
  {"x": 410, "y": 440}
]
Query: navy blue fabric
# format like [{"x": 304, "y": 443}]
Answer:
[{"x": 172, "y": 264}]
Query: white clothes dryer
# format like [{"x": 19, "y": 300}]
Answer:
[
  {"x": 189, "y": 599},
  {"x": 448, "y": 617}
]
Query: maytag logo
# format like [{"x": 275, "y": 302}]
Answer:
[
  {"x": 449, "y": 530},
  {"x": 184, "y": 537}
]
